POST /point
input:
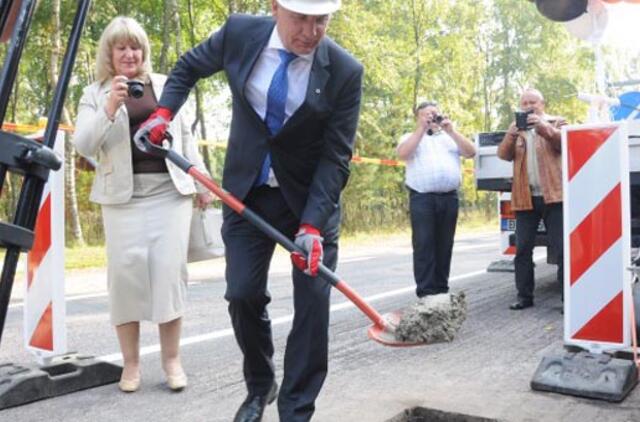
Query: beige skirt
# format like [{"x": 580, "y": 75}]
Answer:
[{"x": 147, "y": 240}]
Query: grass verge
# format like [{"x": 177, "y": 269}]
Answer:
[{"x": 76, "y": 258}]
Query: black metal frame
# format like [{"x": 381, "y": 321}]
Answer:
[{"x": 27, "y": 157}]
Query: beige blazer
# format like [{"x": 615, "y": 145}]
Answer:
[{"x": 108, "y": 142}]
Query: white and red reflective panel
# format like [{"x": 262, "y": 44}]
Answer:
[
  {"x": 44, "y": 304},
  {"x": 595, "y": 160}
]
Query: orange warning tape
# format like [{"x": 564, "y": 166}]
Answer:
[
  {"x": 355, "y": 159},
  {"x": 379, "y": 161},
  {"x": 19, "y": 127}
]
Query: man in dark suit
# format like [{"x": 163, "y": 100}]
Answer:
[{"x": 296, "y": 100}]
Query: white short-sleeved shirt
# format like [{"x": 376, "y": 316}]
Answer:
[{"x": 434, "y": 165}]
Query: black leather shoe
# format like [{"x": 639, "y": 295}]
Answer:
[
  {"x": 252, "y": 407},
  {"x": 520, "y": 305}
]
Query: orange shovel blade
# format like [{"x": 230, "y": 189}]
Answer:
[{"x": 385, "y": 334}]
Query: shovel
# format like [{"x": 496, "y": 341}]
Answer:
[{"x": 383, "y": 328}]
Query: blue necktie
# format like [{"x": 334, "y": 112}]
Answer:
[{"x": 276, "y": 101}]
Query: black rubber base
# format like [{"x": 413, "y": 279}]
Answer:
[
  {"x": 24, "y": 384},
  {"x": 584, "y": 374}
]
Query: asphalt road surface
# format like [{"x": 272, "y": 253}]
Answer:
[{"x": 485, "y": 371}]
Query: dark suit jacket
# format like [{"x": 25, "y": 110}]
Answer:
[{"x": 311, "y": 153}]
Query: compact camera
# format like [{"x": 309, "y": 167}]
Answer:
[
  {"x": 135, "y": 89},
  {"x": 437, "y": 119},
  {"x": 521, "y": 119}
]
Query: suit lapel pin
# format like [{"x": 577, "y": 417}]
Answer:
[{"x": 317, "y": 90}]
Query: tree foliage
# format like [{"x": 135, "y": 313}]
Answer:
[{"x": 472, "y": 57}]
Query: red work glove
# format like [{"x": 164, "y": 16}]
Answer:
[
  {"x": 156, "y": 125},
  {"x": 308, "y": 238}
]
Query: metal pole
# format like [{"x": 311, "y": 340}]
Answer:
[
  {"x": 12, "y": 59},
  {"x": 7, "y": 78},
  {"x": 10, "y": 67},
  {"x": 624, "y": 83},
  {"x": 31, "y": 194}
]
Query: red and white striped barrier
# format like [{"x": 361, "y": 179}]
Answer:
[
  {"x": 44, "y": 304},
  {"x": 596, "y": 236}
]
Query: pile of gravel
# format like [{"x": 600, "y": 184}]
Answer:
[{"x": 432, "y": 319}]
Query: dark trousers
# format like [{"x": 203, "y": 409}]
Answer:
[
  {"x": 526, "y": 229},
  {"x": 433, "y": 225},
  {"x": 248, "y": 255}
]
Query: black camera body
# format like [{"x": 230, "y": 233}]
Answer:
[
  {"x": 521, "y": 119},
  {"x": 438, "y": 118},
  {"x": 135, "y": 89}
]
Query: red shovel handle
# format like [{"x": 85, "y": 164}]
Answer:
[
  {"x": 285, "y": 242},
  {"x": 141, "y": 140}
]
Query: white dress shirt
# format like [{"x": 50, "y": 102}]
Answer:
[
  {"x": 297, "y": 82},
  {"x": 434, "y": 165}
]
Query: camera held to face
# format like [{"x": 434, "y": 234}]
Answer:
[
  {"x": 135, "y": 89},
  {"x": 437, "y": 119},
  {"x": 521, "y": 119}
]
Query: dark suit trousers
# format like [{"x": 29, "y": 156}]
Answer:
[
  {"x": 248, "y": 255},
  {"x": 526, "y": 229},
  {"x": 433, "y": 225}
]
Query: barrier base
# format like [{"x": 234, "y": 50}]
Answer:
[
  {"x": 501, "y": 266},
  {"x": 65, "y": 374},
  {"x": 584, "y": 374}
]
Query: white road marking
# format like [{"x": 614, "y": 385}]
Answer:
[
  {"x": 195, "y": 283},
  {"x": 228, "y": 332},
  {"x": 355, "y": 259},
  {"x": 67, "y": 299},
  {"x": 478, "y": 246}
]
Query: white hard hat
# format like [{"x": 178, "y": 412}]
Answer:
[{"x": 311, "y": 7}]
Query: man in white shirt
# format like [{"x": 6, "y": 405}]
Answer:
[{"x": 432, "y": 153}]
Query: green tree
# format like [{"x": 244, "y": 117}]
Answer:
[{"x": 473, "y": 57}]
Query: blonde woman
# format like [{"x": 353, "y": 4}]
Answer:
[{"x": 146, "y": 201}]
